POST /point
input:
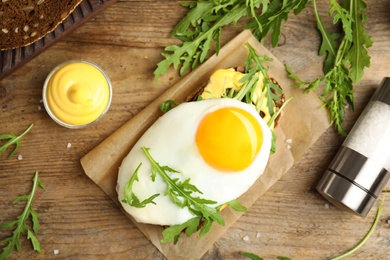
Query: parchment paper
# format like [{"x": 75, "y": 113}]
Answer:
[{"x": 303, "y": 121}]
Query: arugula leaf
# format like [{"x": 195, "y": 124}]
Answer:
[
  {"x": 251, "y": 255},
  {"x": 131, "y": 198},
  {"x": 20, "y": 223},
  {"x": 272, "y": 19},
  {"x": 234, "y": 204},
  {"x": 173, "y": 232},
  {"x": 13, "y": 140},
  {"x": 328, "y": 44},
  {"x": 358, "y": 56},
  {"x": 256, "y": 257},
  {"x": 181, "y": 193}
]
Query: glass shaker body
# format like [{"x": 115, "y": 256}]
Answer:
[{"x": 361, "y": 167}]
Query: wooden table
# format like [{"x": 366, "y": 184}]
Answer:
[{"x": 81, "y": 222}]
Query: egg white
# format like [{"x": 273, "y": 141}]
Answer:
[{"x": 171, "y": 140}]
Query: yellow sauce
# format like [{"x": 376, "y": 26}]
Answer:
[{"x": 78, "y": 93}]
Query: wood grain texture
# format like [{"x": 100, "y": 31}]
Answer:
[{"x": 126, "y": 40}]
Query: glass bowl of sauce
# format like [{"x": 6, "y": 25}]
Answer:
[{"x": 77, "y": 93}]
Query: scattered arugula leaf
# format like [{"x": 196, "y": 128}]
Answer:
[
  {"x": 251, "y": 255},
  {"x": 181, "y": 193},
  {"x": 344, "y": 64},
  {"x": 205, "y": 19},
  {"x": 256, "y": 257},
  {"x": 13, "y": 140},
  {"x": 131, "y": 198},
  {"x": 20, "y": 223}
]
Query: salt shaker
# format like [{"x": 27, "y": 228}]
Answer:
[{"x": 361, "y": 167}]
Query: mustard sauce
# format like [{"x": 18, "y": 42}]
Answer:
[{"x": 77, "y": 93}]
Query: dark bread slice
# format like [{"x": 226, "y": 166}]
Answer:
[{"x": 23, "y": 22}]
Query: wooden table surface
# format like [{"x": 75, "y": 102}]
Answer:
[{"x": 81, "y": 222}]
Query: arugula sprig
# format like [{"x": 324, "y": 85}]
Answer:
[
  {"x": 12, "y": 140},
  {"x": 131, "y": 198},
  {"x": 202, "y": 26},
  {"x": 20, "y": 223},
  {"x": 182, "y": 194},
  {"x": 344, "y": 64},
  {"x": 254, "y": 67}
]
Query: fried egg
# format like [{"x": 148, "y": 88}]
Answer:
[{"x": 222, "y": 145}]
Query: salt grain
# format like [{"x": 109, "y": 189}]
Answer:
[
  {"x": 20, "y": 157},
  {"x": 257, "y": 235},
  {"x": 245, "y": 238},
  {"x": 69, "y": 145},
  {"x": 289, "y": 140},
  {"x": 56, "y": 251}
]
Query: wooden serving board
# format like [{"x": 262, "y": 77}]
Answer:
[{"x": 12, "y": 59}]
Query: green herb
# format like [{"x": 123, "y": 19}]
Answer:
[
  {"x": 205, "y": 19},
  {"x": 251, "y": 255},
  {"x": 366, "y": 237},
  {"x": 131, "y": 198},
  {"x": 234, "y": 204},
  {"x": 168, "y": 105},
  {"x": 173, "y": 232},
  {"x": 20, "y": 223},
  {"x": 344, "y": 64},
  {"x": 181, "y": 193},
  {"x": 13, "y": 140},
  {"x": 253, "y": 68},
  {"x": 256, "y": 257}
]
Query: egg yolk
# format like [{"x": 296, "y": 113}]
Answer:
[{"x": 229, "y": 139}]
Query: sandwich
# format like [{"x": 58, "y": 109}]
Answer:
[{"x": 202, "y": 155}]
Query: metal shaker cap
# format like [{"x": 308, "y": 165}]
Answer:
[
  {"x": 383, "y": 92},
  {"x": 353, "y": 181}
]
